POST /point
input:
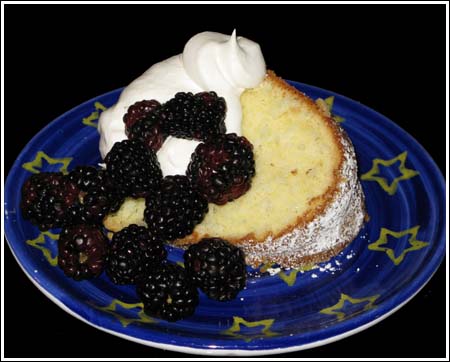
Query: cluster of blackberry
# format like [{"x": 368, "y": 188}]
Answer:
[
  {"x": 214, "y": 266},
  {"x": 221, "y": 170},
  {"x": 222, "y": 166},
  {"x": 85, "y": 195},
  {"x": 200, "y": 116}
]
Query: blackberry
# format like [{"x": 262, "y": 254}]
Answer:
[
  {"x": 149, "y": 131},
  {"x": 222, "y": 169},
  {"x": 46, "y": 199},
  {"x": 217, "y": 268},
  {"x": 133, "y": 250},
  {"x": 97, "y": 195},
  {"x": 82, "y": 251},
  {"x": 198, "y": 116},
  {"x": 174, "y": 210},
  {"x": 86, "y": 177},
  {"x": 138, "y": 111},
  {"x": 133, "y": 168},
  {"x": 167, "y": 293}
]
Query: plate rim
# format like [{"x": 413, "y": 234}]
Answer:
[
  {"x": 222, "y": 351},
  {"x": 343, "y": 329}
]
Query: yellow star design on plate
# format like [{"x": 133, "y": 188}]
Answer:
[
  {"x": 35, "y": 166},
  {"x": 327, "y": 105},
  {"x": 265, "y": 332},
  {"x": 415, "y": 244},
  {"x": 39, "y": 243},
  {"x": 337, "y": 309},
  {"x": 289, "y": 278},
  {"x": 112, "y": 309},
  {"x": 390, "y": 188},
  {"x": 92, "y": 119}
]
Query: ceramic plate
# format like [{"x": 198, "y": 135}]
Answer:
[{"x": 392, "y": 258}]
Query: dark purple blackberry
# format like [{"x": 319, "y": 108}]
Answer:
[
  {"x": 198, "y": 116},
  {"x": 217, "y": 268},
  {"x": 222, "y": 168},
  {"x": 82, "y": 251},
  {"x": 133, "y": 250},
  {"x": 97, "y": 195},
  {"x": 138, "y": 111},
  {"x": 133, "y": 168},
  {"x": 149, "y": 131},
  {"x": 46, "y": 199},
  {"x": 173, "y": 211},
  {"x": 86, "y": 177},
  {"x": 167, "y": 292}
]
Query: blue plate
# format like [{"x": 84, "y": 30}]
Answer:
[{"x": 393, "y": 257}]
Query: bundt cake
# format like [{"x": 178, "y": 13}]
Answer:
[{"x": 305, "y": 203}]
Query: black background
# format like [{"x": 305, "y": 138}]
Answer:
[{"x": 390, "y": 58}]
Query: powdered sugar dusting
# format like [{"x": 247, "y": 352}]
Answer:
[{"x": 338, "y": 225}]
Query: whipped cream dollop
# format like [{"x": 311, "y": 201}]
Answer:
[{"x": 210, "y": 62}]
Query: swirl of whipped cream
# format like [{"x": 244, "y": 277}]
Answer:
[
  {"x": 227, "y": 65},
  {"x": 210, "y": 62}
]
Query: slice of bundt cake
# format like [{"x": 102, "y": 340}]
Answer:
[{"x": 305, "y": 203}]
